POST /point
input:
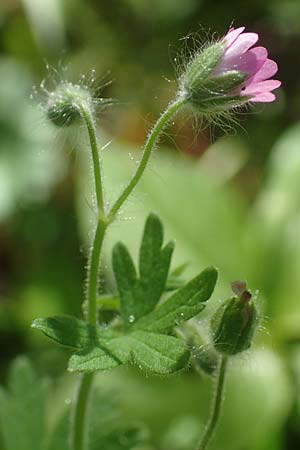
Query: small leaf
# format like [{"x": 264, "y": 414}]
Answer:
[
  {"x": 126, "y": 279},
  {"x": 158, "y": 353},
  {"x": 151, "y": 244},
  {"x": 182, "y": 305},
  {"x": 67, "y": 331},
  {"x": 99, "y": 348},
  {"x": 154, "y": 264},
  {"x": 140, "y": 295}
]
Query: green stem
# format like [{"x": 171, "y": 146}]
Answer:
[
  {"x": 217, "y": 404},
  {"x": 79, "y": 431},
  {"x": 89, "y": 122},
  {"x": 80, "y": 413},
  {"x": 79, "y": 428},
  {"x": 158, "y": 128},
  {"x": 93, "y": 274}
]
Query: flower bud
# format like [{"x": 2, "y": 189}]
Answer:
[
  {"x": 229, "y": 73},
  {"x": 65, "y": 103},
  {"x": 234, "y": 323}
]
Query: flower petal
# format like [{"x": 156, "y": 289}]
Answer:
[
  {"x": 241, "y": 45},
  {"x": 261, "y": 87},
  {"x": 232, "y": 35},
  {"x": 264, "y": 97},
  {"x": 268, "y": 70},
  {"x": 260, "y": 52},
  {"x": 247, "y": 63}
]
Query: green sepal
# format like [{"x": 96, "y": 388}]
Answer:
[
  {"x": 216, "y": 92},
  {"x": 184, "y": 304},
  {"x": 201, "y": 66},
  {"x": 221, "y": 84},
  {"x": 205, "y": 90}
]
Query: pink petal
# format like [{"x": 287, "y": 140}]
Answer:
[
  {"x": 232, "y": 35},
  {"x": 247, "y": 62},
  {"x": 268, "y": 70},
  {"x": 261, "y": 87},
  {"x": 264, "y": 97},
  {"x": 241, "y": 45},
  {"x": 260, "y": 52}
]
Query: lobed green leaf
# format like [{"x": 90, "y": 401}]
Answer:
[
  {"x": 68, "y": 331},
  {"x": 158, "y": 353},
  {"x": 140, "y": 295},
  {"x": 182, "y": 305},
  {"x": 92, "y": 359}
]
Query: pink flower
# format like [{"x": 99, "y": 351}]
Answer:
[{"x": 240, "y": 55}]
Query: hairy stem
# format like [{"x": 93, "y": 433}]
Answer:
[
  {"x": 80, "y": 413},
  {"x": 93, "y": 273},
  {"x": 79, "y": 428},
  {"x": 217, "y": 404},
  {"x": 90, "y": 125},
  {"x": 156, "y": 131}
]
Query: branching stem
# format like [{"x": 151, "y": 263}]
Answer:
[{"x": 79, "y": 428}]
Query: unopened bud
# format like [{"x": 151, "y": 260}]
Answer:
[
  {"x": 234, "y": 323},
  {"x": 65, "y": 103}
]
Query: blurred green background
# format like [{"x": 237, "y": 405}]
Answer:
[{"x": 228, "y": 199}]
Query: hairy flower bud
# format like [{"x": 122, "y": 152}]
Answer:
[
  {"x": 64, "y": 105},
  {"x": 234, "y": 323},
  {"x": 229, "y": 73}
]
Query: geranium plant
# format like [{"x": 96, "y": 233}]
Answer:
[{"x": 153, "y": 307}]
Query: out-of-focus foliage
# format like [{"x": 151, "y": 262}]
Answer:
[
  {"x": 233, "y": 204},
  {"x": 24, "y": 416}
]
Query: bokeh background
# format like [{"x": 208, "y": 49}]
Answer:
[{"x": 229, "y": 196}]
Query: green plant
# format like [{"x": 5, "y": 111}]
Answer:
[{"x": 151, "y": 305}]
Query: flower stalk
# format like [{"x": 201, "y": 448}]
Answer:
[
  {"x": 153, "y": 137},
  {"x": 79, "y": 428},
  {"x": 216, "y": 406},
  {"x": 89, "y": 121}
]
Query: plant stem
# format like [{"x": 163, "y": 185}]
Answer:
[
  {"x": 79, "y": 419},
  {"x": 79, "y": 431},
  {"x": 79, "y": 428},
  {"x": 158, "y": 128},
  {"x": 217, "y": 404},
  {"x": 90, "y": 125},
  {"x": 93, "y": 273}
]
